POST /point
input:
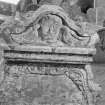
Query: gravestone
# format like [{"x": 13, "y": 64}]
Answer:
[{"x": 48, "y": 60}]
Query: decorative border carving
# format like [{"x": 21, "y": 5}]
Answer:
[
  {"x": 77, "y": 74},
  {"x": 49, "y": 25}
]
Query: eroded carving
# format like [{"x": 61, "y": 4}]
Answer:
[
  {"x": 48, "y": 25},
  {"x": 45, "y": 84},
  {"x": 47, "y": 74}
]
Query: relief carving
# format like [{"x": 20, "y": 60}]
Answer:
[
  {"x": 48, "y": 25},
  {"x": 52, "y": 72},
  {"x": 45, "y": 84}
]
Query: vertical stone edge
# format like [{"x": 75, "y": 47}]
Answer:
[{"x": 93, "y": 87}]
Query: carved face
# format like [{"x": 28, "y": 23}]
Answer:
[
  {"x": 18, "y": 27},
  {"x": 50, "y": 26}
]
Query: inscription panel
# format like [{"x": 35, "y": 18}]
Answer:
[{"x": 44, "y": 84}]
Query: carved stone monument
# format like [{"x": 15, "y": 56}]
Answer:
[{"x": 48, "y": 60}]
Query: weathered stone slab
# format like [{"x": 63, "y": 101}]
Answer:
[{"x": 48, "y": 60}]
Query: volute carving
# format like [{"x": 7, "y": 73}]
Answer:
[{"x": 48, "y": 25}]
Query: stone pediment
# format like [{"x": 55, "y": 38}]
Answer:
[{"x": 49, "y": 25}]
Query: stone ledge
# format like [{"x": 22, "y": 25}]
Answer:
[
  {"x": 61, "y": 50},
  {"x": 63, "y": 57}
]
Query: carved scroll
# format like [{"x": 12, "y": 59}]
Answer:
[{"x": 48, "y": 25}]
